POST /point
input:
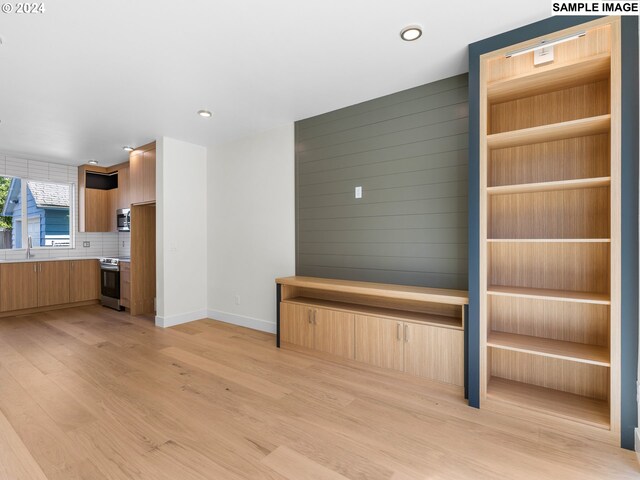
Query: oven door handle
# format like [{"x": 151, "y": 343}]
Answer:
[{"x": 110, "y": 268}]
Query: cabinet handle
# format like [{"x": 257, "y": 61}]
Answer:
[
  {"x": 399, "y": 331},
  {"x": 315, "y": 322},
  {"x": 406, "y": 332},
  {"x": 35, "y": 268},
  {"x": 309, "y": 315}
]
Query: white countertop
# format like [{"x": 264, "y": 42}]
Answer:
[{"x": 46, "y": 259}]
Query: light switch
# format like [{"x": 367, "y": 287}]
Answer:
[{"x": 358, "y": 192}]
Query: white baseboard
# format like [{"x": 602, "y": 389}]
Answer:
[
  {"x": 637, "y": 443},
  {"x": 181, "y": 318},
  {"x": 242, "y": 321}
]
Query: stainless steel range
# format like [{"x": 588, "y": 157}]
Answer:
[{"x": 110, "y": 283}]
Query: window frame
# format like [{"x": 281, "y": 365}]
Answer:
[{"x": 24, "y": 208}]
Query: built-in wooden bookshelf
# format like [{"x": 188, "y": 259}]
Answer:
[{"x": 550, "y": 228}]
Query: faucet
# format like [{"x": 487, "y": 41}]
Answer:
[{"x": 29, "y": 247}]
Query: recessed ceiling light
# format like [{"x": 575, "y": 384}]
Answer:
[
  {"x": 205, "y": 113},
  {"x": 127, "y": 148},
  {"x": 411, "y": 33},
  {"x": 92, "y": 162}
]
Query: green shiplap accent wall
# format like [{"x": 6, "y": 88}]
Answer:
[{"x": 409, "y": 152}]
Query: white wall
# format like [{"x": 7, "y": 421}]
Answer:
[
  {"x": 251, "y": 226},
  {"x": 181, "y": 232}
]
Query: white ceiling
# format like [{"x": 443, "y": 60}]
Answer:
[{"x": 85, "y": 77}]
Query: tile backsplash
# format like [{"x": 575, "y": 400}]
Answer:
[
  {"x": 124, "y": 244},
  {"x": 101, "y": 244}
]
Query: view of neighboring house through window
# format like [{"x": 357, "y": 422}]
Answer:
[{"x": 47, "y": 208}]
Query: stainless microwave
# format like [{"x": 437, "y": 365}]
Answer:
[{"x": 124, "y": 219}]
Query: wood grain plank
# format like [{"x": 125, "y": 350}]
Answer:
[
  {"x": 236, "y": 376},
  {"x": 295, "y": 466}
]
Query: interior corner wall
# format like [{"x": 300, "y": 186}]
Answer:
[
  {"x": 251, "y": 226},
  {"x": 181, "y": 232}
]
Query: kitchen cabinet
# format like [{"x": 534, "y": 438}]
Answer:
[
  {"x": 149, "y": 175},
  {"x": 142, "y": 174},
  {"x": 96, "y": 210},
  {"x": 379, "y": 342},
  {"x": 124, "y": 189},
  {"x": 19, "y": 282},
  {"x": 53, "y": 283},
  {"x": 97, "y": 198},
  {"x": 125, "y": 284},
  {"x": 136, "y": 175},
  {"x": 38, "y": 285},
  {"x": 143, "y": 259},
  {"x": 84, "y": 280}
]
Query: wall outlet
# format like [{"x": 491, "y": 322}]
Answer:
[
  {"x": 237, "y": 299},
  {"x": 86, "y": 244},
  {"x": 358, "y": 192},
  {"x": 123, "y": 244}
]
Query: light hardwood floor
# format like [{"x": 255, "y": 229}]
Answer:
[{"x": 94, "y": 394}]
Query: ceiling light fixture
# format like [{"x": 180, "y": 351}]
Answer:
[
  {"x": 205, "y": 113},
  {"x": 92, "y": 162},
  {"x": 545, "y": 44},
  {"x": 127, "y": 148},
  {"x": 411, "y": 33}
]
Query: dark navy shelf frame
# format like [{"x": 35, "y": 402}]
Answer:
[{"x": 629, "y": 157}]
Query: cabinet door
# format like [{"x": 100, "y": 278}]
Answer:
[
  {"x": 84, "y": 280},
  {"x": 53, "y": 283},
  {"x": 434, "y": 352},
  {"x": 123, "y": 187},
  {"x": 125, "y": 284},
  {"x": 19, "y": 283},
  {"x": 96, "y": 207},
  {"x": 149, "y": 176},
  {"x": 136, "y": 178},
  {"x": 295, "y": 325},
  {"x": 334, "y": 332},
  {"x": 112, "y": 206},
  {"x": 378, "y": 341}
]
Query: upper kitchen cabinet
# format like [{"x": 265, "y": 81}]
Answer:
[
  {"x": 124, "y": 195},
  {"x": 101, "y": 191},
  {"x": 142, "y": 174},
  {"x": 97, "y": 195}
]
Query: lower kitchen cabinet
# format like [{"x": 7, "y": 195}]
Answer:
[
  {"x": 125, "y": 284},
  {"x": 29, "y": 285},
  {"x": 53, "y": 283},
  {"x": 379, "y": 342},
  {"x": 19, "y": 286},
  {"x": 84, "y": 280},
  {"x": 320, "y": 329}
]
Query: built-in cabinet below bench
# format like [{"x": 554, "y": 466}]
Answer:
[
  {"x": 41, "y": 285},
  {"x": 415, "y": 330}
]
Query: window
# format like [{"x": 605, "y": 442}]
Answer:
[{"x": 47, "y": 206}]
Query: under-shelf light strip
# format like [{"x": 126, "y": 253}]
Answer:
[{"x": 544, "y": 44}]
